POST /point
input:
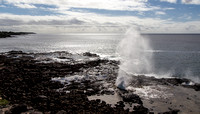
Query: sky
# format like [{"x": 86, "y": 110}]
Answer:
[{"x": 100, "y": 16}]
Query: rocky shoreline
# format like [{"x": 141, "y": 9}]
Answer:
[
  {"x": 4, "y": 34},
  {"x": 61, "y": 82}
]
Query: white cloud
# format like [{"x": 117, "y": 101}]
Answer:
[
  {"x": 197, "y": 2},
  {"x": 130, "y": 5},
  {"x": 2, "y": 6},
  {"x": 71, "y": 21},
  {"x": 160, "y": 13},
  {"x": 88, "y": 22},
  {"x": 25, "y": 6},
  {"x": 170, "y": 1},
  {"x": 11, "y": 19},
  {"x": 185, "y": 17},
  {"x": 168, "y": 8}
]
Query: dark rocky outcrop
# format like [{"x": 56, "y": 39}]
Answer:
[
  {"x": 175, "y": 111},
  {"x": 4, "y": 34},
  {"x": 27, "y": 82},
  {"x": 139, "y": 81}
]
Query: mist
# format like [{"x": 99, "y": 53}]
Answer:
[{"x": 135, "y": 57}]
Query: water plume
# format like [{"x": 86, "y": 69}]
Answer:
[{"x": 135, "y": 57}]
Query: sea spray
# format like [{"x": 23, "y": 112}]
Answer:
[
  {"x": 135, "y": 57},
  {"x": 189, "y": 75}
]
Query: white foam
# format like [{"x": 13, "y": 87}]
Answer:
[
  {"x": 190, "y": 83},
  {"x": 63, "y": 57},
  {"x": 68, "y": 80},
  {"x": 77, "y": 78},
  {"x": 148, "y": 92}
]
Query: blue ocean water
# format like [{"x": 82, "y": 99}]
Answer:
[
  {"x": 177, "y": 54},
  {"x": 173, "y": 54}
]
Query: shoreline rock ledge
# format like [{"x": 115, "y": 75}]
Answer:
[
  {"x": 4, "y": 34},
  {"x": 61, "y": 82}
]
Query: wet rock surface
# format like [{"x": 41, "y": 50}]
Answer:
[
  {"x": 139, "y": 81},
  {"x": 60, "y": 82},
  {"x": 27, "y": 81}
]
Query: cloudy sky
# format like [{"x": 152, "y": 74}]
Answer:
[{"x": 69, "y": 16}]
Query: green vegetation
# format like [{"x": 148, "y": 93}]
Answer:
[{"x": 3, "y": 102}]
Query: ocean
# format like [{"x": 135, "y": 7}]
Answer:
[{"x": 175, "y": 55}]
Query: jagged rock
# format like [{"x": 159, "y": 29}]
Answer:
[
  {"x": 90, "y": 54},
  {"x": 140, "y": 110},
  {"x": 61, "y": 112},
  {"x": 120, "y": 104},
  {"x": 130, "y": 97},
  {"x": 26, "y": 80},
  {"x": 17, "y": 109},
  {"x": 175, "y": 111}
]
